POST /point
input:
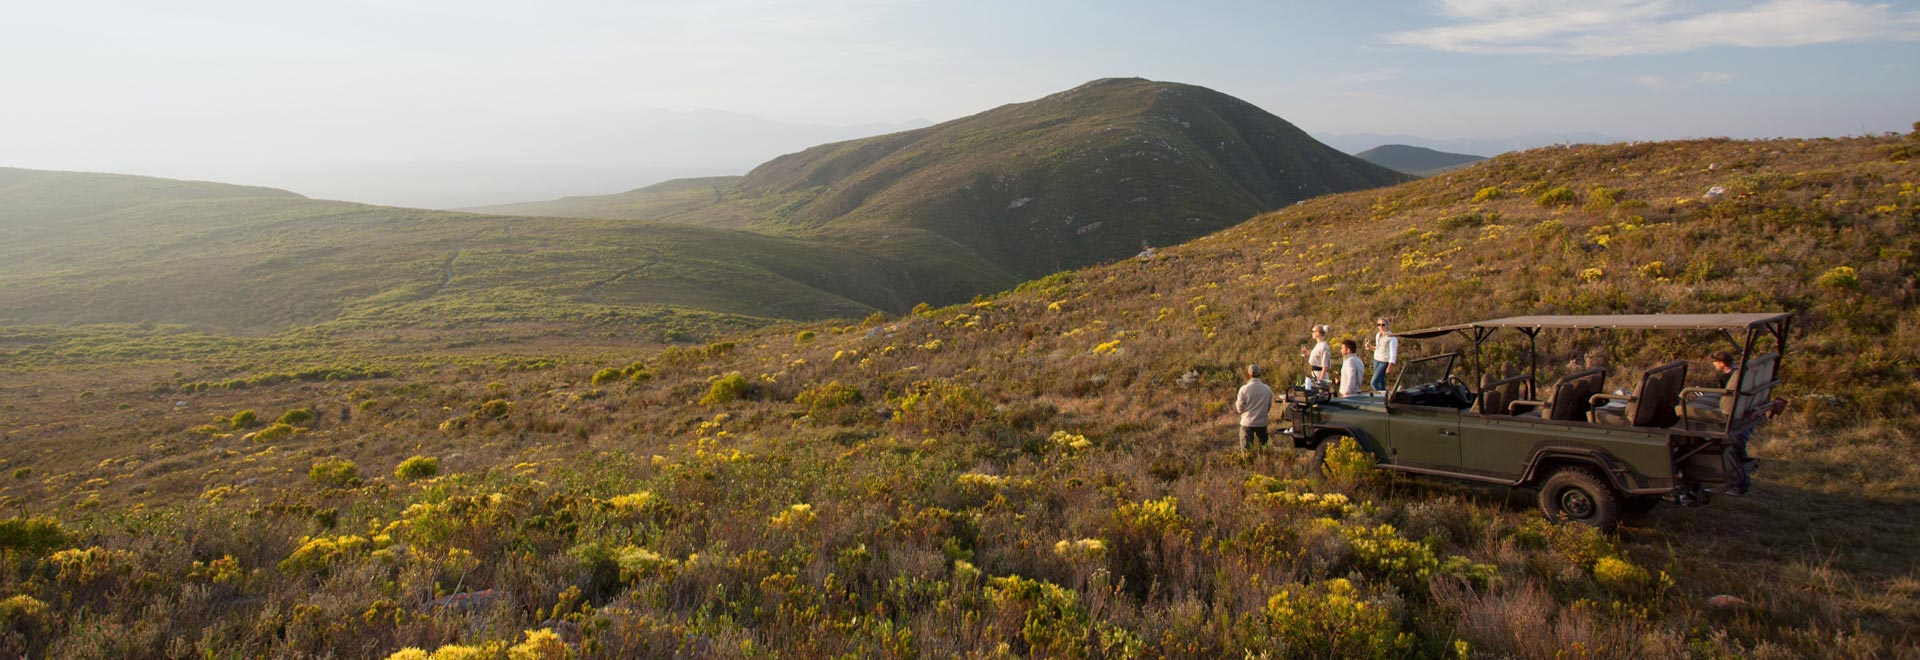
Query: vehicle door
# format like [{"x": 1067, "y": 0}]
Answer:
[{"x": 1419, "y": 432}]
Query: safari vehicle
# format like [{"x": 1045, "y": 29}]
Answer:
[{"x": 1594, "y": 456}]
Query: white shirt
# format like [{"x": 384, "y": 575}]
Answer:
[
  {"x": 1321, "y": 356},
  {"x": 1253, "y": 403},
  {"x": 1386, "y": 348},
  {"x": 1350, "y": 375}
]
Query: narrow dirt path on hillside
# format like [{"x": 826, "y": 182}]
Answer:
[
  {"x": 446, "y": 273},
  {"x": 592, "y": 292}
]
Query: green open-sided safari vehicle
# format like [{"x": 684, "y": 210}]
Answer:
[{"x": 1593, "y": 456}]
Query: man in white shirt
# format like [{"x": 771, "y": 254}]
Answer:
[
  {"x": 1352, "y": 371},
  {"x": 1386, "y": 352},
  {"x": 1254, "y": 401}
]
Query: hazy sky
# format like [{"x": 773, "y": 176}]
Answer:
[{"x": 330, "y": 97}]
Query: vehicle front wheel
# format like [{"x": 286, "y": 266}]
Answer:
[{"x": 1576, "y": 494}]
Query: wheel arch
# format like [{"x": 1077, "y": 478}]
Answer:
[{"x": 1546, "y": 461}]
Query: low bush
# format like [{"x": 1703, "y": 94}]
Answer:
[
  {"x": 727, "y": 388},
  {"x": 334, "y": 473},
  {"x": 1559, "y": 196},
  {"x": 296, "y": 417},
  {"x": 417, "y": 467},
  {"x": 243, "y": 419}
]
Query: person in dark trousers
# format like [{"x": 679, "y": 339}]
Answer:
[
  {"x": 1253, "y": 403},
  {"x": 1743, "y": 464}
]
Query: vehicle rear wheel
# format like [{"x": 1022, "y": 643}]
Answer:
[
  {"x": 1638, "y": 505},
  {"x": 1576, "y": 494}
]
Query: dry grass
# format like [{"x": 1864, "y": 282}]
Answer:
[{"x": 940, "y": 511}]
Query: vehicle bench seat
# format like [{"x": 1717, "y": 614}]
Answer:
[
  {"x": 1567, "y": 399},
  {"x": 1652, "y": 402},
  {"x": 1497, "y": 396}
]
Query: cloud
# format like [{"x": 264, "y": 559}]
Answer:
[
  {"x": 1603, "y": 28},
  {"x": 1683, "y": 82}
]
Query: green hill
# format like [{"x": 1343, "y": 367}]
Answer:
[
  {"x": 101, "y": 248},
  {"x": 1044, "y": 472},
  {"x": 1072, "y": 179},
  {"x": 35, "y": 197},
  {"x": 1419, "y": 161}
]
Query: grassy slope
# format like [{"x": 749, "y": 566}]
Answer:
[
  {"x": 1076, "y": 178},
  {"x": 147, "y": 250},
  {"x": 904, "y": 554}
]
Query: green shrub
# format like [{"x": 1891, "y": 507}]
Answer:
[
  {"x": 36, "y": 535},
  {"x": 278, "y": 431},
  {"x": 1333, "y": 620},
  {"x": 417, "y": 467},
  {"x": 804, "y": 337},
  {"x": 1559, "y": 196},
  {"x": 335, "y": 473},
  {"x": 318, "y": 553},
  {"x": 21, "y": 611},
  {"x": 1620, "y": 576},
  {"x": 1462, "y": 220},
  {"x": 495, "y": 408},
  {"x": 941, "y": 405},
  {"x": 605, "y": 376},
  {"x": 296, "y": 417},
  {"x": 1054, "y": 624},
  {"x": 243, "y": 419},
  {"x": 1843, "y": 278},
  {"x": 1349, "y": 463},
  {"x": 823, "y": 399},
  {"x": 730, "y": 387},
  {"x": 640, "y": 377},
  {"x": 1600, "y": 199}
]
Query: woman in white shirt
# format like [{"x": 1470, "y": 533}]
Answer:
[{"x": 1320, "y": 357}]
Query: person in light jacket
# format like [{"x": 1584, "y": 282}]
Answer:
[
  {"x": 1351, "y": 369},
  {"x": 1253, "y": 403}
]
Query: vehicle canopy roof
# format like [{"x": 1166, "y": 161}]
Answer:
[{"x": 1611, "y": 322}]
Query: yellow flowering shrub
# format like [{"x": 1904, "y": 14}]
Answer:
[{"x": 1333, "y": 620}]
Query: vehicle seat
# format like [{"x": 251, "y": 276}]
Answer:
[
  {"x": 1567, "y": 398},
  {"x": 1496, "y": 396},
  {"x": 1709, "y": 408},
  {"x": 1652, "y": 402}
]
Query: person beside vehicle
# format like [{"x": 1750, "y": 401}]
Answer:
[
  {"x": 1386, "y": 352},
  {"x": 1320, "y": 357},
  {"x": 1351, "y": 369},
  {"x": 1253, "y": 403},
  {"x": 1743, "y": 464}
]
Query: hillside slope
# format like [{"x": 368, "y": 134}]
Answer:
[
  {"x": 1075, "y": 178},
  {"x": 1419, "y": 161},
  {"x": 101, "y": 248},
  {"x": 37, "y": 197},
  {"x": 1046, "y": 471}
]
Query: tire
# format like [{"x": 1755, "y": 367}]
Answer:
[
  {"x": 1638, "y": 505},
  {"x": 1317, "y": 466},
  {"x": 1576, "y": 494}
]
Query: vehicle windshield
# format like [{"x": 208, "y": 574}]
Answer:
[{"x": 1434, "y": 369}]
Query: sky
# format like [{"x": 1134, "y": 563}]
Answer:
[{"x": 450, "y": 103}]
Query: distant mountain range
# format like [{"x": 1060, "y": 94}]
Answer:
[
  {"x": 1418, "y": 161},
  {"x": 937, "y": 214},
  {"x": 1354, "y": 143}
]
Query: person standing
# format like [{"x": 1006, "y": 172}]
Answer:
[
  {"x": 1253, "y": 403},
  {"x": 1351, "y": 369},
  {"x": 1386, "y": 352},
  {"x": 1320, "y": 357}
]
